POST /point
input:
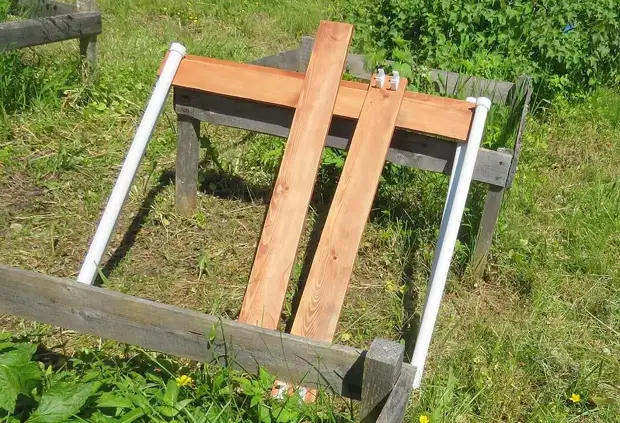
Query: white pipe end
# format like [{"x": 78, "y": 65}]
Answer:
[
  {"x": 179, "y": 48},
  {"x": 483, "y": 101},
  {"x": 471, "y": 100}
]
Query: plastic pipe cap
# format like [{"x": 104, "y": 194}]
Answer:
[
  {"x": 483, "y": 101},
  {"x": 471, "y": 100},
  {"x": 179, "y": 48}
]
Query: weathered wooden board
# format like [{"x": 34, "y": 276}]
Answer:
[
  {"x": 324, "y": 291},
  {"x": 41, "y": 8},
  {"x": 407, "y": 149},
  {"x": 441, "y": 116},
  {"x": 277, "y": 247},
  {"x": 160, "y": 327},
  {"x": 188, "y": 158},
  {"x": 449, "y": 83},
  {"x": 32, "y": 32}
]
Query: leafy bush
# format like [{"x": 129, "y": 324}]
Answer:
[
  {"x": 145, "y": 387},
  {"x": 566, "y": 46}
]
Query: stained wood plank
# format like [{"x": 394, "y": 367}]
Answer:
[
  {"x": 382, "y": 368},
  {"x": 173, "y": 330},
  {"x": 444, "y": 117},
  {"x": 408, "y": 148},
  {"x": 324, "y": 291},
  {"x": 269, "y": 278},
  {"x": 32, "y": 32}
]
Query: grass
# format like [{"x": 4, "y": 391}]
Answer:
[{"x": 542, "y": 324}]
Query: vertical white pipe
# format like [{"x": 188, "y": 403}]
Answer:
[
  {"x": 451, "y": 222},
  {"x": 154, "y": 107}
]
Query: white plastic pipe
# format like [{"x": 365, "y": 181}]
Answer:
[
  {"x": 462, "y": 172},
  {"x": 154, "y": 107}
]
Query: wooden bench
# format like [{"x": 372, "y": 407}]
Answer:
[
  {"x": 496, "y": 169},
  {"x": 52, "y": 21}
]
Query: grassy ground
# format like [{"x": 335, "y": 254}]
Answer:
[{"x": 542, "y": 324}]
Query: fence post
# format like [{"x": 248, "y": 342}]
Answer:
[
  {"x": 382, "y": 367},
  {"x": 88, "y": 44},
  {"x": 188, "y": 158}
]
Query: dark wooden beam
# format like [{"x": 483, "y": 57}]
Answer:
[
  {"x": 33, "y": 32},
  {"x": 408, "y": 148}
]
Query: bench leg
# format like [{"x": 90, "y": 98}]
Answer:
[
  {"x": 486, "y": 230},
  {"x": 88, "y": 45},
  {"x": 88, "y": 50},
  {"x": 188, "y": 157}
]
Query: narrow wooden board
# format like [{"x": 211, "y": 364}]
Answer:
[
  {"x": 291, "y": 195},
  {"x": 321, "y": 301},
  {"x": 441, "y": 116}
]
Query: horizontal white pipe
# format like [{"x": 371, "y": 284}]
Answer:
[
  {"x": 154, "y": 107},
  {"x": 462, "y": 172}
]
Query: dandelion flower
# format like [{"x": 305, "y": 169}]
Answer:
[
  {"x": 424, "y": 418},
  {"x": 184, "y": 380},
  {"x": 575, "y": 398}
]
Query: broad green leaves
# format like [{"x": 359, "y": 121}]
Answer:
[{"x": 61, "y": 401}]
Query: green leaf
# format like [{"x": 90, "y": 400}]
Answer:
[
  {"x": 172, "y": 392},
  {"x": 110, "y": 400},
  {"x": 61, "y": 401},
  {"x": 132, "y": 416},
  {"x": 600, "y": 401},
  {"x": 264, "y": 414},
  {"x": 9, "y": 388}
]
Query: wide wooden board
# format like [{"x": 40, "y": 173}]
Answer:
[
  {"x": 441, "y": 116},
  {"x": 323, "y": 296},
  {"x": 291, "y": 195}
]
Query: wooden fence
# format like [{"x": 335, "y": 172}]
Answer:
[{"x": 51, "y": 21}]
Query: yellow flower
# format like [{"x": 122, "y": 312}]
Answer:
[
  {"x": 184, "y": 380},
  {"x": 424, "y": 418},
  {"x": 575, "y": 398}
]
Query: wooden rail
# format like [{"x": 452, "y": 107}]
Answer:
[
  {"x": 160, "y": 327},
  {"x": 442, "y": 117},
  {"x": 33, "y": 32}
]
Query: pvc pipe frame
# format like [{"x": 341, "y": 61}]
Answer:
[
  {"x": 88, "y": 272},
  {"x": 458, "y": 190}
]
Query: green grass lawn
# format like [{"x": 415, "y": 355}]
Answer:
[{"x": 543, "y": 323}]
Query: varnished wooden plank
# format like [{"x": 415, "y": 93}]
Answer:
[
  {"x": 173, "y": 330},
  {"x": 271, "y": 270},
  {"x": 32, "y": 32},
  {"x": 382, "y": 368},
  {"x": 324, "y": 291},
  {"x": 408, "y": 148},
  {"x": 444, "y": 117}
]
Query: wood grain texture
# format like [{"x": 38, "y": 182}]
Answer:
[
  {"x": 188, "y": 158},
  {"x": 396, "y": 404},
  {"x": 444, "y": 117},
  {"x": 324, "y": 291},
  {"x": 88, "y": 43},
  {"x": 382, "y": 368},
  {"x": 173, "y": 330},
  {"x": 33, "y": 32},
  {"x": 275, "y": 254},
  {"x": 408, "y": 148}
]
